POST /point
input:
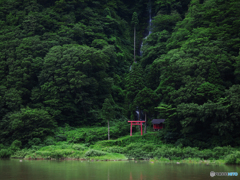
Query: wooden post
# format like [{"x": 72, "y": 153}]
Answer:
[{"x": 141, "y": 128}]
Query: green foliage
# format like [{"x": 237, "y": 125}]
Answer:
[
  {"x": 22, "y": 153},
  {"x": 107, "y": 111},
  {"x": 79, "y": 147},
  {"x": 233, "y": 158},
  {"x": 114, "y": 149},
  {"x": 135, "y": 19},
  {"x": 61, "y": 137},
  {"x": 16, "y": 145},
  {"x": 146, "y": 100},
  {"x": 27, "y": 124},
  {"x": 124, "y": 141},
  {"x": 59, "y": 153},
  {"x": 49, "y": 141},
  {"x": 5, "y": 153},
  {"x": 92, "y": 135},
  {"x": 134, "y": 84},
  {"x": 64, "y": 58},
  {"x": 34, "y": 142},
  {"x": 220, "y": 152},
  {"x": 166, "y": 22},
  {"x": 2, "y": 146},
  {"x": 214, "y": 75},
  {"x": 93, "y": 152}
]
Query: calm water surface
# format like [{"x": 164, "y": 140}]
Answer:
[{"x": 111, "y": 170}]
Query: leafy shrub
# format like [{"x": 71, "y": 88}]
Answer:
[
  {"x": 5, "y": 153},
  {"x": 183, "y": 142},
  {"x": 57, "y": 154},
  {"x": 171, "y": 137},
  {"x": 44, "y": 154},
  {"x": 189, "y": 152},
  {"x": 34, "y": 142},
  {"x": 49, "y": 141},
  {"x": 61, "y": 137},
  {"x": 233, "y": 158},
  {"x": 22, "y": 153},
  {"x": 26, "y": 124},
  {"x": 37, "y": 147},
  {"x": 148, "y": 147},
  {"x": 60, "y": 153},
  {"x": 121, "y": 128},
  {"x": 204, "y": 154},
  {"x": 133, "y": 146},
  {"x": 138, "y": 151},
  {"x": 220, "y": 152},
  {"x": 168, "y": 152},
  {"x": 77, "y": 154},
  {"x": 87, "y": 144},
  {"x": 174, "y": 153},
  {"x": 93, "y": 152},
  {"x": 115, "y": 149},
  {"x": 16, "y": 145},
  {"x": 79, "y": 147},
  {"x": 2, "y": 146}
]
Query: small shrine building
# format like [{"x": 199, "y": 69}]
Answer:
[{"x": 158, "y": 124}]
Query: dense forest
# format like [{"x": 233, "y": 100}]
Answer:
[{"x": 68, "y": 61}]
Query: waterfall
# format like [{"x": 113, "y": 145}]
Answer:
[
  {"x": 149, "y": 25},
  {"x": 139, "y": 115},
  {"x": 150, "y": 18}
]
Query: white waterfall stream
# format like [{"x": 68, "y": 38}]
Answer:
[
  {"x": 139, "y": 115},
  {"x": 149, "y": 25}
]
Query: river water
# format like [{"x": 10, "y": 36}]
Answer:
[{"x": 108, "y": 170}]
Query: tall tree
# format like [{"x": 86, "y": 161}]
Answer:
[
  {"x": 134, "y": 23},
  {"x": 107, "y": 112},
  {"x": 146, "y": 100},
  {"x": 134, "y": 84}
]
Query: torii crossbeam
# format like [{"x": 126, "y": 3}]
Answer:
[{"x": 139, "y": 123}]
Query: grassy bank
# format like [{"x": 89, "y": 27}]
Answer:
[{"x": 81, "y": 144}]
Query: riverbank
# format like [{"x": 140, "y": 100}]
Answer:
[
  {"x": 75, "y": 145},
  {"x": 162, "y": 160}
]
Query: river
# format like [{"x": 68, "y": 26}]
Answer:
[{"x": 108, "y": 170}]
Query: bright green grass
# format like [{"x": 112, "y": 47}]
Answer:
[
  {"x": 126, "y": 147},
  {"x": 64, "y": 150},
  {"x": 149, "y": 137}
]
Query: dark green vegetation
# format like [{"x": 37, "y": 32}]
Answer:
[
  {"x": 62, "y": 60},
  {"x": 88, "y": 144}
]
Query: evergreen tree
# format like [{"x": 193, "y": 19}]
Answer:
[
  {"x": 134, "y": 84},
  {"x": 146, "y": 100},
  {"x": 108, "y": 113}
]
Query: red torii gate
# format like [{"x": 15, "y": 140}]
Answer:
[{"x": 139, "y": 123}]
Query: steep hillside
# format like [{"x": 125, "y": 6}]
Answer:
[{"x": 61, "y": 59}]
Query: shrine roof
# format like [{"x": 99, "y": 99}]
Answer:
[{"x": 157, "y": 121}]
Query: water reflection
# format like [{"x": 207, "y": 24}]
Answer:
[{"x": 77, "y": 170}]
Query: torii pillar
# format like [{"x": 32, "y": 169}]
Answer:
[{"x": 139, "y": 123}]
